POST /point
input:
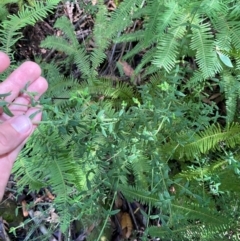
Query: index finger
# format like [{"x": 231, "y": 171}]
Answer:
[{"x": 28, "y": 72}]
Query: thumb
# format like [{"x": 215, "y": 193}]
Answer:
[{"x": 13, "y": 132}]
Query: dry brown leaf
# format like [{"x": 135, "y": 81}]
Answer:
[
  {"x": 90, "y": 229},
  {"x": 38, "y": 200},
  {"x": 49, "y": 194},
  {"x": 214, "y": 96},
  {"x": 111, "y": 5},
  {"x": 54, "y": 218},
  {"x": 172, "y": 190},
  {"x": 126, "y": 224},
  {"x": 24, "y": 208},
  {"x": 127, "y": 69},
  {"x": 68, "y": 9}
]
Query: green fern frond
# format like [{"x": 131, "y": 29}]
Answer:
[
  {"x": 57, "y": 171},
  {"x": 69, "y": 46},
  {"x": 101, "y": 34},
  {"x": 24, "y": 167},
  {"x": 59, "y": 88},
  {"x": 157, "y": 18},
  {"x": 228, "y": 30},
  {"x": 107, "y": 29},
  {"x": 168, "y": 46},
  {"x": 185, "y": 231},
  {"x": 223, "y": 36},
  {"x": 105, "y": 88},
  {"x": 171, "y": 11},
  {"x": 58, "y": 43},
  {"x": 213, "y": 168},
  {"x": 3, "y": 12},
  {"x": 238, "y": 65},
  {"x": 196, "y": 212},
  {"x": 61, "y": 185},
  {"x": 196, "y": 82},
  {"x": 67, "y": 28},
  {"x": 141, "y": 167},
  {"x": 125, "y": 11},
  {"x": 202, "y": 42},
  {"x": 67, "y": 43},
  {"x": 210, "y": 139},
  {"x": 214, "y": 9},
  {"x": 235, "y": 33},
  {"x": 231, "y": 87},
  {"x": 144, "y": 196},
  {"x": 152, "y": 12},
  {"x": 81, "y": 59},
  {"x": 9, "y": 32},
  {"x": 130, "y": 37}
]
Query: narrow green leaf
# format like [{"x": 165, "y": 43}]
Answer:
[
  {"x": 103, "y": 131},
  {"x": 34, "y": 114},
  {"x": 7, "y": 111},
  {"x": 113, "y": 212},
  {"x": 5, "y": 95}
]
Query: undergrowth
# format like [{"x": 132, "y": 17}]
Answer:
[{"x": 155, "y": 141}]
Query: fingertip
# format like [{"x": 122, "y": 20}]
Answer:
[
  {"x": 39, "y": 86},
  {"x": 43, "y": 85},
  {"x": 26, "y": 73},
  {"x": 30, "y": 68},
  {"x": 5, "y": 61}
]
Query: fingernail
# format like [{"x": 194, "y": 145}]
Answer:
[{"x": 21, "y": 124}]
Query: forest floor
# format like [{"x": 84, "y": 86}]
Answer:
[{"x": 27, "y": 48}]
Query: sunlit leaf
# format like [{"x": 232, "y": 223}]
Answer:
[{"x": 225, "y": 59}]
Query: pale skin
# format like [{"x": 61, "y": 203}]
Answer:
[{"x": 14, "y": 131}]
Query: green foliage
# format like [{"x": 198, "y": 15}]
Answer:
[
  {"x": 192, "y": 144},
  {"x": 175, "y": 31},
  {"x": 157, "y": 143},
  {"x": 10, "y": 27}
]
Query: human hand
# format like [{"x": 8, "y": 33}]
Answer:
[{"x": 14, "y": 131}]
